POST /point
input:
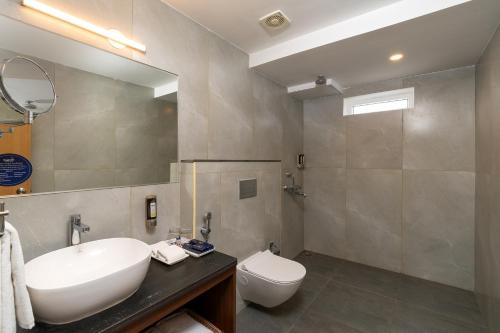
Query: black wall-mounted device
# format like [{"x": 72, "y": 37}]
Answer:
[
  {"x": 151, "y": 211},
  {"x": 301, "y": 161}
]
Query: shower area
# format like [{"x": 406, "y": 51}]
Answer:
[
  {"x": 397, "y": 232},
  {"x": 401, "y": 213},
  {"x": 395, "y": 189},
  {"x": 389, "y": 226}
]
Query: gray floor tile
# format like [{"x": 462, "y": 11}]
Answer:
[
  {"x": 282, "y": 317},
  {"x": 320, "y": 323},
  {"x": 450, "y": 302},
  {"x": 371, "y": 279},
  {"x": 319, "y": 263},
  {"x": 314, "y": 282},
  {"x": 353, "y": 307},
  {"x": 252, "y": 320},
  {"x": 341, "y": 296},
  {"x": 409, "y": 319}
]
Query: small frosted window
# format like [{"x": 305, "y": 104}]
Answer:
[{"x": 385, "y": 101}]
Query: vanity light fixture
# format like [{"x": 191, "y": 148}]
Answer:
[
  {"x": 112, "y": 35},
  {"x": 396, "y": 57}
]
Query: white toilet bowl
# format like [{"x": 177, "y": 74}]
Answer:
[{"x": 269, "y": 280}]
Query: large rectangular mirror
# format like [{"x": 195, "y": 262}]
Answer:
[{"x": 112, "y": 121}]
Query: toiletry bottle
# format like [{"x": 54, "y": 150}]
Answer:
[{"x": 151, "y": 211}]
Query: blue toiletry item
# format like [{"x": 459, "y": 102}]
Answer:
[{"x": 198, "y": 246}]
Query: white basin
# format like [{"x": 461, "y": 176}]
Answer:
[{"x": 78, "y": 281}]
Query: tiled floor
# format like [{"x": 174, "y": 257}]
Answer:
[{"x": 341, "y": 296}]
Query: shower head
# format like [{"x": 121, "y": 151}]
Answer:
[{"x": 321, "y": 80}]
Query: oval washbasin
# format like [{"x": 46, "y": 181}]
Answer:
[{"x": 78, "y": 281}]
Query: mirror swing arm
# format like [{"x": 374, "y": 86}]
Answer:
[{"x": 28, "y": 114}]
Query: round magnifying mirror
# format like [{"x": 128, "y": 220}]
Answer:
[{"x": 26, "y": 87}]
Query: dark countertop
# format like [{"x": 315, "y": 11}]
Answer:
[{"x": 162, "y": 285}]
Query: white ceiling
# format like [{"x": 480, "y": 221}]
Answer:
[
  {"x": 237, "y": 21},
  {"x": 446, "y": 39},
  {"x": 350, "y": 41}
]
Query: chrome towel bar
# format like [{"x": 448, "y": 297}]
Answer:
[{"x": 3, "y": 214}]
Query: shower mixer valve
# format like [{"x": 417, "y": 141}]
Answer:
[{"x": 293, "y": 188}]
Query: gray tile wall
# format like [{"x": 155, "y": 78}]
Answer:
[
  {"x": 240, "y": 227},
  {"x": 226, "y": 111},
  {"x": 488, "y": 182},
  {"x": 292, "y": 227},
  {"x": 42, "y": 219},
  {"x": 395, "y": 189}
]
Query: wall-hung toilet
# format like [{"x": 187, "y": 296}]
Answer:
[{"x": 269, "y": 280}]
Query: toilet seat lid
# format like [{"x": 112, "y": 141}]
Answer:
[{"x": 274, "y": 268}]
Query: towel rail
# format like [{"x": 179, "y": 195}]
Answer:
[{"x": 3, "y": 214}]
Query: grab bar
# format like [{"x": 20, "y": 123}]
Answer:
[{"x": 3, "y": 214}]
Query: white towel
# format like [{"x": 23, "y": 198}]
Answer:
[
  {"x": 171, "y": 253},
  {"x": 15, "y": 304}
]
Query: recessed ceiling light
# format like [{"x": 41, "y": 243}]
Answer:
[{"x": 396, "y": 57}]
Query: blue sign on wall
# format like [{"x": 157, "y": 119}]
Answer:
[{"x": 14, "y": 169}]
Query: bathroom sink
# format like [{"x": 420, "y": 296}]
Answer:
[{"x": 78, "y": 281}]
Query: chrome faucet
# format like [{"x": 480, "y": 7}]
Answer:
[{"x": 76, "y": 228}]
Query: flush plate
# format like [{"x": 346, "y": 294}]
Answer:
[{"x": 248, "y": 188}]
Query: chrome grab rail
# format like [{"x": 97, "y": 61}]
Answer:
[{"x": 3, "y": 214}]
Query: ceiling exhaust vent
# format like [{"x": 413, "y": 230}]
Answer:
[{"x": 275, "y": 21}]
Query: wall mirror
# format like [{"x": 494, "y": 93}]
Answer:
[{"x": 76, "y": 117}]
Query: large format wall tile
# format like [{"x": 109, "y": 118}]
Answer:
[
  {"x": 484, "y": 119},
  {"x": 42, "y": 181},
  {"x": 42, "y": 220},
  {"x": 270, "y": 107},
  {"x": 325, "y": 132},
  {"x": 487, "y": 215},
  {"x": 325, "y": 211},
  {"x": 168, "y": 208},
  {"x": 375, "y": 140},
  {"x": 231, "y": 103},
  {"x": 292, "y": 227},
  {"x": 66, "y": 180},
  {"x": 437, "y": 135},
  {"x": 186, "y": 195},
  {"x": 229, "y": 142},
  {"x": 186, "y": 53},
  {"x": 42, "y": 143},
  {"x": 439, "y": 131},
  {"x": 293, "y": 133},
  {"x": 438, "y": 228},
  {"x": 374, "y": 217},
  {"x": 374, "y": 87},
  {"x": 240, "y": 227},
  {"x": 218, "y": 118}
]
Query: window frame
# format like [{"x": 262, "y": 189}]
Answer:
[{"x": 385, "y": 96}]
